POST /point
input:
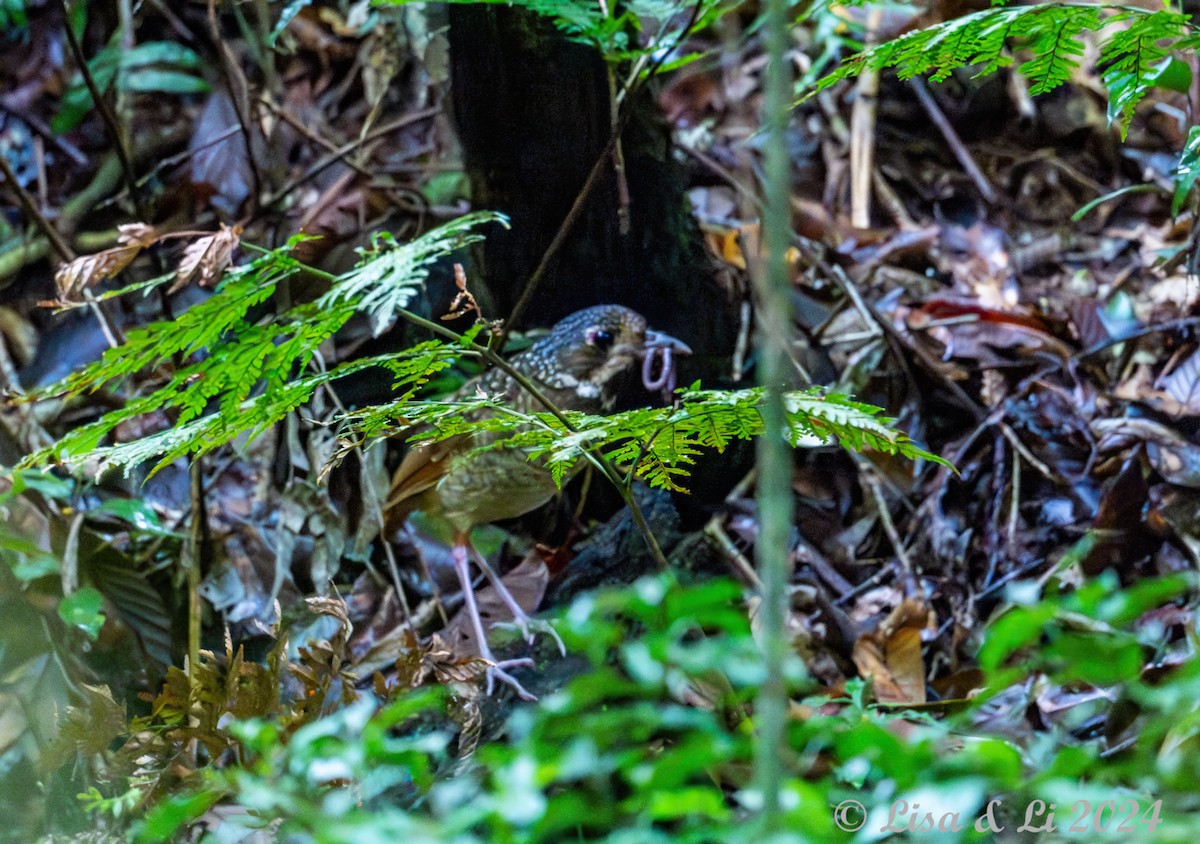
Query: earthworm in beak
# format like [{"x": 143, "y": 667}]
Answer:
[{"x": 663, "y": 348}]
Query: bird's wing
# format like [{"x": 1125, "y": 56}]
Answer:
[{"x": 419, "y": 472}]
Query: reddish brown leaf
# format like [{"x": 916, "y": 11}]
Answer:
[{"x": 891, "y": 655}]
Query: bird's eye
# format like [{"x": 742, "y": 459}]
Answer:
[{"x": 600, "y": 338}]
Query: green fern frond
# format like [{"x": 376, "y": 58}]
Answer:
[
  {"x": 391, "y": 274},
  {"x": 653, "y": 444},
  {"x": 1056, "y": 47},
  {"x": 1130, "y": 57},
  {"x": 1133, "y": 41},
  {"x": 248, "y": 418},
  {"x": 241, "y": 373}
]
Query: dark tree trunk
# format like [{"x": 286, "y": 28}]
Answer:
[{"x": 532, "y": 111}]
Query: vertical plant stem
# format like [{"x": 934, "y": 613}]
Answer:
[
  {"x": 862, "y": 132},
  {"x": 775, "y": 505},
  {"x": 122, "y": 107},
  {"x": 192, "y": 560},
  {"x": 111, "y": 125}
]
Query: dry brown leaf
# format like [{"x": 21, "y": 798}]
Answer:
[
  {"x": 731, "y": 245},
  {"x": 136, "y": 234},
  {"x": 86, "y": 271},
  {"x": 464, "y": 301},
  {"x": 207, "y": 258},
  {"x": 1183, "y": 385},
  {"x": 418, "y": 663},
  {"x": 891, "y": 655},
  {"x": 446, "y": 666}
]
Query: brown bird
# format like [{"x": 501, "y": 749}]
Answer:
[{"x": 577, "y": 366}]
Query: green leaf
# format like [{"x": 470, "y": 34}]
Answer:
[
  {"x": 165, "y": 81},
  {"x": 1187, "y": 171},
  {"x": 390, "y": 275},
  {"x": 1131, "y": 57},
  {"x": 160, "y": 52},
  {"x": 27, "y": 560},
  {"x": 83, "y": 608},
  {"x": 1016, "y": 629}
]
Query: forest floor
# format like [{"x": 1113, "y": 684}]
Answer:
[{"x": 1019, "y": 296}]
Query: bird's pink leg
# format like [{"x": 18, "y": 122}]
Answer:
[
  {"x": 496, "y": 670},
  {"x": 521, "y": 618}
]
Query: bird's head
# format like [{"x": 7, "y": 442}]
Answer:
[{"x": 585, "y": 353}]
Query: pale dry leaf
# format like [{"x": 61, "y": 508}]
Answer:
[
  {"x": 1183, "y": 384},
  {"x": 207, "y": 258},
  {"x": 86, "y": 271},
  {"x": 446, "y": 666},
  {"x": 334, "y": 607},
  {"x": 464, "y": 302},
  {"x": 136, "y": 234}
]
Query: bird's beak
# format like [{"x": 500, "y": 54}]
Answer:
[{"x": 660, "y": 340}]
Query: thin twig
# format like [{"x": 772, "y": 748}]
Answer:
[
  {"x": 716, "y": 531},
  {"x": 232, "y": 71},
  {"x": 741, "y": 564},
  {"x": 884, "y": 571},
  {"x": 1158, "y": 328},
  {"x": 960, "y": 151},
  {"x": 564, "y": 229},
  {"x": 42, "y": 128},
  {"x": 318, "y": 139},
  {"x": 889, "y": 527},
  {"x": 30, "y": 209},
  {"x": 187, "y": 154},
  {"x": 111, "y": 332},
  {"x": 618, "y": 157},
  {"x": 1045, "y": 471},
  {"x": 1014, "y": 508},
  {"x": 113, "y": 129},
  {"x": 345, "y": 149}
]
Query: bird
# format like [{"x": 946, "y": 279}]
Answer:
[{"x": 578, "y": 365}]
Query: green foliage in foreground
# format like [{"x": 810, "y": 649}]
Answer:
[
  {"x": 244, "y": 367},
  {"x": 652, "y": 744}
]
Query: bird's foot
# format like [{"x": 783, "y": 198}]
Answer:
[
  {"x": 529, "y": 627},
  {"x": 496, "y": 671}
]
